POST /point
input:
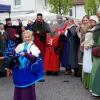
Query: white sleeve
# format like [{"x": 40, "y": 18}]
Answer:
[
  {"x": 89, "y": 39},
  {"x": 66, "y": 32},
  {"x": 19, "y": 48},
  {"x": 34, "y": 50}
]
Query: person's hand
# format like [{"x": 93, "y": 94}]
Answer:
[
  {"x": 22, "y": 53},
  {"x": 37, "y": 32},
  {"x": 82, "y": 44},
  {"x": 16, "y": 35},
  {"x": 1, "y": 58}
]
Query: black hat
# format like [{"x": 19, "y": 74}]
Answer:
[{"x": 8, "y": 19}]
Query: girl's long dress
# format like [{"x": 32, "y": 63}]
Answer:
[
  {"x": 51, "y": 59},
  {"x": 24, "y": 90}
]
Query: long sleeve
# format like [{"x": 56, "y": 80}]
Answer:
[
  {"x": 34, "y": 50},
  {"x": 30, "y": 57},
  {"x": 88, "y": 40}
]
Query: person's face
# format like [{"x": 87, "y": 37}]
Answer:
[
  {"x": 92, "y": 23},
  {"x": 59, "y": 20},
  {"x": 30, "y": 22},
  {"x": 23, "y": 29},
  {"x": 70, "y": 21},
  {"x": 1, "y": 27},
  {"x": 39, "y": 18},
  {"x": 85, "y": 20},
  {"x": 98, "y": 15},
  {"x": 27, "y": 37},
  {"x": 9, "y": 23}
]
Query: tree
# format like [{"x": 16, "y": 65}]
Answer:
[
  {"x": 60, "y": 6},
  {"x": 98, "y": 3},
  {"x": 91, "y": 6}
]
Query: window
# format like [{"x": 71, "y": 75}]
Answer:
[
  {"x": 17, "y": 2},
  {"x": 45, "y": 2}
]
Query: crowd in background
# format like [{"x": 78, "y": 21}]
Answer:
[{"x": 64, "y": 44}]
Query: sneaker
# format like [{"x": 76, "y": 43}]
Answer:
[{"x": 93, "y": 94}]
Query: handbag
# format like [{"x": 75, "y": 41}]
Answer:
[{"x": 96, "y": 51}]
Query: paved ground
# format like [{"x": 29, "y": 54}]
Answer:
[{"x": 54, "y": 88}]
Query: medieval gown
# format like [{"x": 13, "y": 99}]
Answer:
[
  {"x": 65, "y": 50},
  {"x": 51, "y": 59},
  {"x": 87, "y": 58},
  {"x": 24, "y": 77},
  {"x": 69, "y": 52},
  {"x": 95, "y": 75},
  {"x": 74, "y": 49}
]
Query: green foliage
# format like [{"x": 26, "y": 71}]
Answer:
[
  {"x": 60, "y": 6},
  {"x": 91, "y": 6},
  {"x": 98, "y": 2}
]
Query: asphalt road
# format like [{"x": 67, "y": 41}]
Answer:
[{"x": 60, "y": 87}]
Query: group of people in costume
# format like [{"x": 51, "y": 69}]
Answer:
[
  {"x": 89, "y": 33},
  {"x": 39, "y": 48}
]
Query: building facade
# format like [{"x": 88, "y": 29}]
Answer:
[
  {"x": 29, "y": 5},
  {"x": 78, "y": 11},
  {"x": 19, "y": 7}
]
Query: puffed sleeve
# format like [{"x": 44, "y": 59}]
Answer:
[
  {"x": 88, "y": 40},
  {"x": 19, "y": 48},
  {"x": 35, "y": 50}
]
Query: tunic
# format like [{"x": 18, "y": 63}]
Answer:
[
  {"x": 39, "y": 31},
  {"x": 51, "y": 59}
]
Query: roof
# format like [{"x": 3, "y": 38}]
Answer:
[
  {"x": 5, "y": 8},
  {"x": 79, "y": 2}
]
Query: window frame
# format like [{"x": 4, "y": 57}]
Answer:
[
  {"x": 17, "y": 4},
  {"x": 45, "y": 3}
]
